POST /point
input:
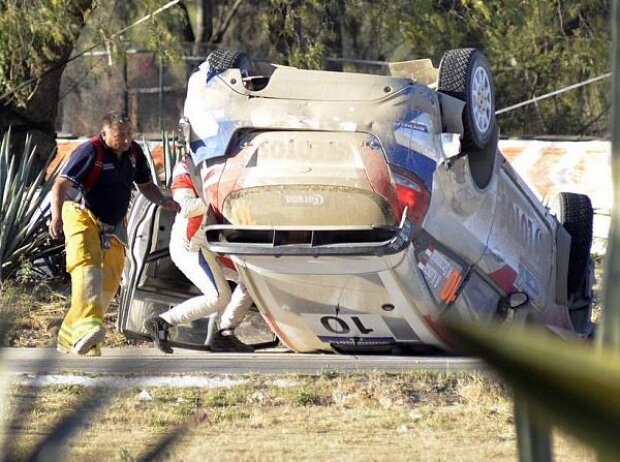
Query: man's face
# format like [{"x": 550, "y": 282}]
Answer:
[{"x": 118, "y": 138}]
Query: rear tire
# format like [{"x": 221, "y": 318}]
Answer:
[
  {"x": 575, "y": 213},
  {"x": 465, "y": 74}
]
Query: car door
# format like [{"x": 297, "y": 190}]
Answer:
[
  {"x": 519, "y": 257},
  {"x": 151, "y": 282}
]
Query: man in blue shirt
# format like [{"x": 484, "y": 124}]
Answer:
[{"x": 89, "y": 201}]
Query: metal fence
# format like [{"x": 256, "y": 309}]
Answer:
[{"x": 150, "y": 90}]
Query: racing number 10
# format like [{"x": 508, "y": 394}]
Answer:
[{"x": 339, "y": 325}]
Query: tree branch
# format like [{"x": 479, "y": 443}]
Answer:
[{"x": 217, "y": 36}]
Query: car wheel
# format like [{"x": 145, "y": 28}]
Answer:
[
  {"x": 465, "y": 74},
  {"x": 223, "y": 60},
  {"x": 574, "y": 211}
]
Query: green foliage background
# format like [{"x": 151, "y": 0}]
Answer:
[{"x": 534, "y": 46}]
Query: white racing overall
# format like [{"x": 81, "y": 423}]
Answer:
[{"x": 189, "y": 253}]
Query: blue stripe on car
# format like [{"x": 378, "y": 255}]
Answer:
[
  {"x": 418, "y": 164},
  {"x": 214, "y": 146}
]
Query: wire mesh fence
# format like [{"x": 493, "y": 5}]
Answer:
[{"x": 149, "y": 89}]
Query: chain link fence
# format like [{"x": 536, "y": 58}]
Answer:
[{"x": 150, "y": 90}]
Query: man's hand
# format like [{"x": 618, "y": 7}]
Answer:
[
  {"x": 153, "y": 193},
  {"x": 57, "y": 196},
  {"x": 170, "y": 204},
  {"x": 55, "y": 228}
]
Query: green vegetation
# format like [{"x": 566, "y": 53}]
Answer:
[
  {"x": 559, "y": 44},
  {"x": 23, "y": 230}
]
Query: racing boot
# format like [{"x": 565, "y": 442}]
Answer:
[
  {"x": 158, "y": 328},
  {"x": 225, "y": 341}
]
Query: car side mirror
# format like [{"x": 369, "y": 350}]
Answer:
[{"x": 450, "y": 144}]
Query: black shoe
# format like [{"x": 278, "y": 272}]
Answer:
[
  {"x": 225, "y": 341},
  {"x": 157, "y": 328}
]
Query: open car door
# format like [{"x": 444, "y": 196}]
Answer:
[{"x": 151, "y": 282}]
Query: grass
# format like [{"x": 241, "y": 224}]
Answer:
[
  {"x": 422, "y": 416},
  {"x": 36, "y": 310},
  {"x": 375, "y": 416}
]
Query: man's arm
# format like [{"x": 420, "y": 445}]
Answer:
[
  {"x": 57, "y": 197},
  {"x": 154, "y": 194}
]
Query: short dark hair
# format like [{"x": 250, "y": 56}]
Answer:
[{"x": 116, "y": 119}]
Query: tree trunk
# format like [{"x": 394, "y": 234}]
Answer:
[
  {"x": 335, "y": 12},
  {"x": 204, "y": 25},
  {"x": 38, "y": 117}
]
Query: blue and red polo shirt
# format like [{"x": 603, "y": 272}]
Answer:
[{"x": 109, "y": 198}]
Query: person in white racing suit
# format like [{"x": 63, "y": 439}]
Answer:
[{"x": 207, "y": 271}]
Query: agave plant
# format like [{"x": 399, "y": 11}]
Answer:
[
  {"x": 23, "y": 213},
  {"x": 171, "y": 153}
]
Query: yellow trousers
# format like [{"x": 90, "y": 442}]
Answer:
[{"x": 95, "y": 273}]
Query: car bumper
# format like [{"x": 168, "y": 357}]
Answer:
[{"x": 315, "y": 241}]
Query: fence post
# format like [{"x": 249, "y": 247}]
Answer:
[
  {"x": 533, "y": 437},
  {"x": 609, "y": 328}
]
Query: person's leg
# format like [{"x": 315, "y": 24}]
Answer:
[
  {"x": 83, "y": 324},
  {"x": 113, "y": 263},
  {"x": 240, "y": 302},
  {"x": 200, "y": 268},
  {"x": 112, "y": 270}
]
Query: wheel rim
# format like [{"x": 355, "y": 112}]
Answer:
[{"x": 481, "y": 99}]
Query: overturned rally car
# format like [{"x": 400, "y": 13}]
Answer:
[{"x": 360, "y": 208}]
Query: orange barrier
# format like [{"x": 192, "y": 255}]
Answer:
[{"x": 66, "y": 147}]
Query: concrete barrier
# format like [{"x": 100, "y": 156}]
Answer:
[{"x": 583, "y": 167}]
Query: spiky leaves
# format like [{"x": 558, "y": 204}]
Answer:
[{"x": 23, "y": 228}]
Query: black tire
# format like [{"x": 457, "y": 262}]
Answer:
[
  {"x": 223, "y": 60},
  {"x": 465, "y": 74},
  {"x": 574, "y": 211}
]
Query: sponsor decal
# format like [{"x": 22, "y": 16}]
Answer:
[
  {"x": 527, "y": 281},
  {"x": 523, "y": 280},
  {"x": 303, "y": 198},
  {"x": 442, "y": 275},
  {"x": 411, "y": 125},
  {"x": 517, "y": 223},
  {"x": 357, "y": 340}
]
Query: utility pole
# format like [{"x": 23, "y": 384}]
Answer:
[
  {"x": 123, "y": 16},
  {"x": 609, "y": 329}
]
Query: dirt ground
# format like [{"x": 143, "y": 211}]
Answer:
[{"x": 422, "y": 416}]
